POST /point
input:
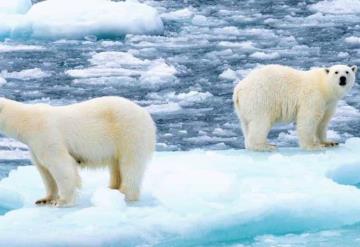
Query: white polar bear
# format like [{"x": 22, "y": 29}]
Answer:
[
  {"x": 106, "y": 131},
  {"x": 276, "y": 93}
]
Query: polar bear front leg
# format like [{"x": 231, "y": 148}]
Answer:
[
  {"x": 49, "y": 183},
  {"x": 322, "y": 130},
  {"x": 307, "y": 122},
  {"x": 63, "y": 169}
]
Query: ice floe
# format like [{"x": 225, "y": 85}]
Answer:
[
  {"x": 54, "y": 19},
  {"x": 193, "y": 198}
]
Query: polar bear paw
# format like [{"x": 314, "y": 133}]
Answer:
[
  {"x": 262, "y": 147},
  {"x": 54, "y": 202},
  {"x": 330, "y": 144},
  {"x": 313, "y": 147}
]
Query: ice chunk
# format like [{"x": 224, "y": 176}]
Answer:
[
  {"x": 200, "y": 20},
  {"x": 2, "y": 81},
  {"x": 159, "y": 72},
  {"x": 26, "y": 74},
  {"x": 265, "y": 56},
  {"x": 116, "y": 59},
  {"x": 23, "y": 48},
  {"x": 14, "y": 6},
  {"x": 337, "y": 6},
  {"x": 178, "y": 15},
  {"x": 183, "y": 99},
  {"x": 353, "y": 40},
  {"x": 122, "y": 64},
  {"x": 229, "y": 74},
  {"x": 164, "y": 108},
  {"x": 56, "y": 19},
  {"x": 199, "y": 198}
]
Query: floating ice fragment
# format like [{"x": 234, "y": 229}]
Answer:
[
  {"x": 14, "y": 6},
  {"x": 55, "y": 19},
  {"x": 229, "y": 74},
  {"x": 337, "y": 7},
  {"x": 26, "y": 74},
  {"x": 265, "y": 56},
  {"x": 2, "y": 81},
  {"x": 178, "y": 15}
]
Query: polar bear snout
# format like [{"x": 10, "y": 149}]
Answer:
[{"x": 342, "y": 81}]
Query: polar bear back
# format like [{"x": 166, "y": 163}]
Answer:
[
  {"x": 276, "y": 90},
  {"x": 99, "y": 130}
]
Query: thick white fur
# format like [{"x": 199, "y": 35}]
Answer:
[
  {"x": 276, "y": 93},
  {"x": 107, "y": 131}
]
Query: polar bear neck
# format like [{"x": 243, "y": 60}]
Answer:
[
  {"x": 13, "y": 115},
  {"x": 318, "y": 78}
]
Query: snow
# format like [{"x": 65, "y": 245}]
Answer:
[
  {"x": 26, "y": 74},
  {"x": 84, "y": 19},
  {"x": 164, "y": 108},
  {"x": 178, "y": 15},
  {"x": 14, "y": 6},
  {"x": 196, "y": 197},
  {"x": 17, "y": 48},
  {"x": 265, "y": 56},
  {"x": 352, "y": 40},
  {"x": 229, "y": 74},
  {"x": 337, "y": 6},
  {"x": 200, "y": 20},
  {"x": 2, "y": 81},
  {"x": 122, "y": 64}
]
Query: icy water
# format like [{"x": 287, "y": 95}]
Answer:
[{"x": 185, "y": 77}]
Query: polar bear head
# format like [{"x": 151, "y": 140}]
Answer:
[{"x": 341, "y": 78}]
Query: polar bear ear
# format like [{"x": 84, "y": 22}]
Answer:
[
  {"x": 327, "y": 70},
  {"x": 354, "y": 68}
]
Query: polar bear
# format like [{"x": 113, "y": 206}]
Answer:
[
  {"x": 106, "y": 131},
  {"x": 276, "y": 93}
]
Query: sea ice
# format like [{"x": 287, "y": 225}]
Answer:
[
  {"x": 338, "y": 7},
  {"x": 26, "y": 74},
  {"x": 122, "y": 64},
  {"x": 193, "y": 198},
  {"x": 14, "y": 6},
  {"x": 2, "y": 81},
  {"x": 55, "y": 19}
]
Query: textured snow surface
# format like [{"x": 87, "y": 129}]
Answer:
[{"x": 193, "y": 198}]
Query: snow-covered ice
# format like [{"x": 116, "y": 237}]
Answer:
[
  {"x": 26, "y": 74},
  {"x": 54, "y": 19},
  {"x": 122, "y": 64},
  {"x": 193, "y": 198},
  {"x": 14, "y": 6},
  {"x": 337, "y": 6}
]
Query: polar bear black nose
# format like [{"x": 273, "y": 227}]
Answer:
[{"x": 342, "y": 81}]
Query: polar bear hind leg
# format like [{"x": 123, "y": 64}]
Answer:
[
  {"x": 115, "y": 177},
  {"x": 256, "y": 138},
  {"x": 132, "y": 169}
]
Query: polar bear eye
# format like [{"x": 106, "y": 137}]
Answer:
[
  {"x": 336, "y": 72},
  {"x": 347, "y": 72}
]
